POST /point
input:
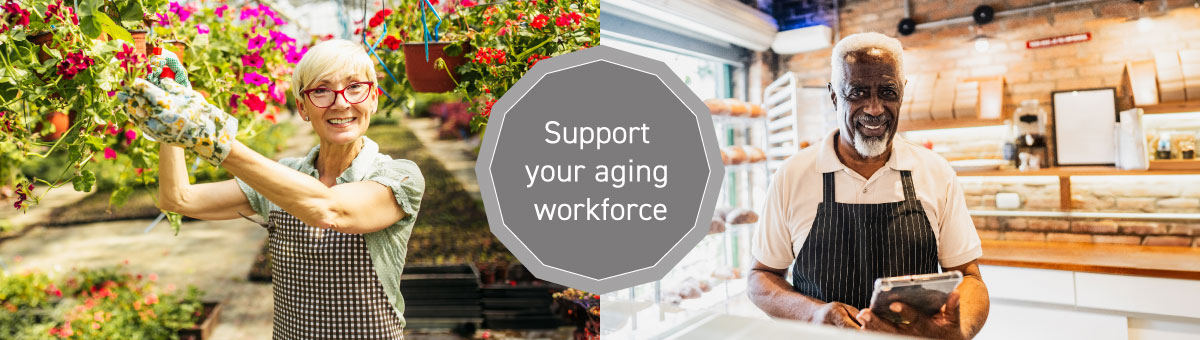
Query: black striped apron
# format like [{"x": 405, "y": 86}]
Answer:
[
  {"x": 851, "y": 245},
  {"x": 325, "y": 286}
]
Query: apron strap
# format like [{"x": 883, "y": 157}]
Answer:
[
  {"x": 910, "y": 192},
  {"x": 829, "y": 187}
]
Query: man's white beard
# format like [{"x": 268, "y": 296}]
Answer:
[{"x": 871, "y": 147}]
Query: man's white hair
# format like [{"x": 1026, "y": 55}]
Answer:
[{"x": 859, "y": 42}]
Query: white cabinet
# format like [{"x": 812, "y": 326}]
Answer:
[
  {"x": 1031, "y": 303},
  {"x": 1008, "y": 320}
]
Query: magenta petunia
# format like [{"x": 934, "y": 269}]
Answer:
[
  {"x": 202, "y": 29},
  {"x": 276, "y": 95},
  {"x": 294, "y": 56},
  {"x": 249, "y": 12},
  {"x": 109, "y": 153},
  {"x": 256, "y": 79},
  {"x": 233, "y": 102},
  {"x": 253, "y": 60},
  {"x": 220, "y": 10},
  {"x": 163, "y": 19},
  {"x": 256, "y": 42},
  {"x": 130, "y": 135}
]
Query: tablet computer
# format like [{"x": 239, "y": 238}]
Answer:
[{"x": 926, "y": 293}]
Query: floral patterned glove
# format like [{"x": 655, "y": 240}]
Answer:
[
  {"x": 180, "y": 116},
  {"x": 168, "y": 60}
]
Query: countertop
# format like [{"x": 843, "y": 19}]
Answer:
[{"x": 1163, "y": 262}]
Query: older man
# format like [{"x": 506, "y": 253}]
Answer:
[{"x": 862, "y": 205}]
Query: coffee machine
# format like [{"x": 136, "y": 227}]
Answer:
[{"x": 1029, "y": 136}]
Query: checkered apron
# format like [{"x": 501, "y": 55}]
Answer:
[{"x": 325, "y": 285}]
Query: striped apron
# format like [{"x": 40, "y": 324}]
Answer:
[
  {"x": 851, "y": 245},
  {"x": 325, "y": 285}
]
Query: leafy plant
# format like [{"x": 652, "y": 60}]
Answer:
[{"x": 60, "y": 119}]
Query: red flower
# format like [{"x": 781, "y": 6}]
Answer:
[
  {"x": 539, "y": 21},
  {"x": 379, "y": 17},
  {"x": 391, "y": 42},
  {"x": 487, "y": 110},
  {"x": 576, "y": 17},
  {"x": 563, "y": 20},
  {"x": 255, "y": 103}
]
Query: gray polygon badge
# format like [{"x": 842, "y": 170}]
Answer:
[{"x": 600, "y": 169}]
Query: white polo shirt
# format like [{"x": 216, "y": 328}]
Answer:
[{"x": 796, "y": 190}]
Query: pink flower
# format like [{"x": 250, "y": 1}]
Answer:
[
  {"x": 201, "y": 29},
  {"x": 153, "y": 277},
  {"x": 233, "y": 100},
  {"x": 163, "y": 19},
  {"x": 130, "y": 136},
  {"x": 293, "y": 56},
  {"x": 249, "y": 12},
  {"x": 276, "y": 95},
  {"x": 253, "y": 60},
  {"x": 256, "y": 42},
  {"x": 95, "y": 325},
  {"x": 109, "y": 153},
  {"x": 256, "y": 79},
  {"x": 220, "y": 10},
  {"x": 151, "y": 299}
]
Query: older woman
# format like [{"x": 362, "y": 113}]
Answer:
[{"x": 339, "y": 218}]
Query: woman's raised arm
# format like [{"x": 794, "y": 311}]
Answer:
[
  {"x": 353, "y": 208},
  {"x": 209, "y": 201}
]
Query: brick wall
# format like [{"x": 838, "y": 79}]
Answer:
[{"x": 1034, "y": 74}]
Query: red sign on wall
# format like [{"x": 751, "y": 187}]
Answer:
[{"x": 1059, "y": 40}]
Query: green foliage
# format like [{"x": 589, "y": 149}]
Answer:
[
  {"x": 96, "y": 146},
  {"x": 501, "y": 40}
]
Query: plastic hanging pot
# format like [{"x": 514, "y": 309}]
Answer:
[{"x": 424, "y": 75}]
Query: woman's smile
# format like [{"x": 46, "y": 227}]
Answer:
[{"x": 341, "y": 122}]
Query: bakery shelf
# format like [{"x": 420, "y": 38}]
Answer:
[
  {"x": 1173, "y": 107},
  {"x": 917, "y": 125},
  {"x": 738, "y": 120}
]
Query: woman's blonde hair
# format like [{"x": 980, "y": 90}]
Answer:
[{"x": 328, "y": 57}]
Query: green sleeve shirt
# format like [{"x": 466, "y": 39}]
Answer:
[{"x": 389, "y": 246}]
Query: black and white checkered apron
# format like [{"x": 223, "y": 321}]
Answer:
[
  {"x": 851, "y": 245},
  {"x": 325, "y": 285}
]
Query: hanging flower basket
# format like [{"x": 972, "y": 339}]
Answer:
[
  {"x": 424, "y": 75},
  {"x": 39, "y": 40}
]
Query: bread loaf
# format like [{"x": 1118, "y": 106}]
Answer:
[
  {"x": 756, "y": 111},
  {"x": 741, "y": 216},
  {"x": 736, "y": 154},
  {"x": 717, "y": 107},
  {"x": 754, "y": 155},
  {"x": 737, "y": 108},
  {"x": 717, "y": 226}
]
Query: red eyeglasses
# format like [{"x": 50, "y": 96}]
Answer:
[{"x": 323, "y": 97}]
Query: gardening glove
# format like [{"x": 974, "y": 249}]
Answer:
[
  {"x": 169, "y": 60},
  {"x": 180, "y": 116}
]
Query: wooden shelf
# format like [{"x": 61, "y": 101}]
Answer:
[
  {"x": 915, "y": 125},
  {"x": 1068, "y": 171},
  {"x": 1174, "y": 107},
  {"x": 1151, "y": 261}
]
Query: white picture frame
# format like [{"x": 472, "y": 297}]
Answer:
[{"x": 1085, "y": 122}]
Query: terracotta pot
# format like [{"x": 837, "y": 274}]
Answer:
[
  {"x": 424, "y": 75},
  {"x": 139, "y": 41},
  {"x": 177, "y": 47},
  {"x": 39, "y": 40},
  {"x": 61, "y": 123}
]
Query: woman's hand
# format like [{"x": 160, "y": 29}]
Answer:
[
  {"x": 180, "y": 116},
  {"x": 170, "y": 61}
]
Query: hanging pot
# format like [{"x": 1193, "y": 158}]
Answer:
[
  {"x": 178, "y": 47},
  {"x": 139, "y": 41},
  {"x": 39, "y": 40},
  {"x": 61, "y": 123},
  {"x": 424, "y": 75}
]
